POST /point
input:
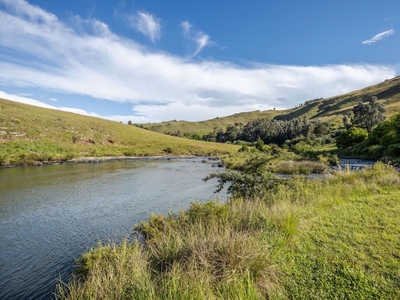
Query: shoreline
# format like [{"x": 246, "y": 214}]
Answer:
[{"x": 101, "y": 159}]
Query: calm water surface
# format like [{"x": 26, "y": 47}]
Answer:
[{"x": 50, "y": 215}]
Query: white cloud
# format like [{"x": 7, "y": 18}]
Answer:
[
  {"x": 34, "y": 102},
  {"x": 25, "y": 100},
  {"x": 93, "y": 61},
  {"x": 147, "y": 24},
  {"x": 200, "y": 38},
  {"x": 186, "y": 28},
  {"x": 378, "y": 37},
  {"x": 53, "y": 99},
  {"x": 79, "y": 111}
]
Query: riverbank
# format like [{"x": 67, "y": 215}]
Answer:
[
  {"x": 93, "y": 159},
  {"x": 335, "y": 237}
]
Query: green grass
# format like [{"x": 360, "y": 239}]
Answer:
[
  {"x": 334, "y": 238},
  {"x": 29, "y": 134}
]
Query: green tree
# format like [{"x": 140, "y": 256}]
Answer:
[
  {"x": 254, "y": 179},
  {"x": 347, "y": 121},
  {"x": 367, "y": 115},
  {"x": 386, "y": 133},
  {"x": 259, "y": 144},
  {"x": 351, "y": 137}
]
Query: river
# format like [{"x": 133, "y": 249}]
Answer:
[{"x": 50, "y": 215}]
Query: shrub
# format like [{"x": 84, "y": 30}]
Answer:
[
  {"x": 244, "y": 148},
  {"x": 393, "y": 150},
  {"x": 168, "y": 150},
  {"x": 351, "y": 137}
]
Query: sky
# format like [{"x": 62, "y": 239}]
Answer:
[{"x": 151, "y": 60}]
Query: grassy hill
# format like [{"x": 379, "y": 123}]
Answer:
[
  {"x": 29, "y": 134},
  {"x": 333, "y": 109},
  {"x": 204, "y": 127}
]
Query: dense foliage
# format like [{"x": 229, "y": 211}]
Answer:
[
  {"x": 382, "y": 142},
  {"x": 269, "y": 131},
  {"x": 368, "y": 115},
  {"x": 351, "y": 137}
]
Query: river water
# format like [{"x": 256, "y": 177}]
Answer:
[{"x": 50, "y": 215}]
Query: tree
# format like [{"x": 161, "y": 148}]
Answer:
[
  {"x": 347, "y": 121},
  {"x": 351, "y": 137},
  {"x": 130, "y": 122},
  {"x": 368, "y": 115}
]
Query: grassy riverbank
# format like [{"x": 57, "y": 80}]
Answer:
[
  {"x": 31, "y": 134},
  {"x": 333, "y": 238}
]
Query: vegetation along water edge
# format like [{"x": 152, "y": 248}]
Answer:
[{"x": 337, "y": 237}]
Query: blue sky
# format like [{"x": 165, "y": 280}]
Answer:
[{"x": 150, "y": 61}]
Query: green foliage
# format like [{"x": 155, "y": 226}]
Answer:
[
  {"x": 244, "y": 148},
  {"x": 386, "y": 133},
  {"x": 383, "y": 141},
  {"x": 253, "y": 180},
  {"x": 368, "y": 115},
  {"x": 266, "y": 131},
  {"x": 259, "y": 144},
  {"x": 347, "y": 121},
  {"x": 351, "y": 137}
]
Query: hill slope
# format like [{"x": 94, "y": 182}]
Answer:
[
  {"x": 29, "y": 134},
  {"x": 333, "y": 109}
]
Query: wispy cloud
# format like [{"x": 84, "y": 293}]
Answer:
[
  {"x": 378, "y": 37},
  {"x": 186, "y": 28},
  {"x": 53, "y": 99},
  {"x": 202, "y": 41},
  {"x": 53, "y": 56},
  {"x": 200, "y": 38},
  {"x": 147, "y": 24}
]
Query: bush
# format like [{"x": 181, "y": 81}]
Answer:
[
  {"x": 351, "y": 137},
  {"x": 168, "y": 150},
  {"x": 376, "y": 151},
  {"x": 244, "y": 148},
  {"x": 393, "y": 150}
]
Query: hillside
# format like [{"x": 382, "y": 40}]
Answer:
[
  {"x": 29, "y": 134},
  {"x": 333, "y": 109},
  {"x": 204, "y": 127}
]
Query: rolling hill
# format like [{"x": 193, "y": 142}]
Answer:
[
  {"x": 333, "y": 109},
  {"x": 31, "y": 134}
]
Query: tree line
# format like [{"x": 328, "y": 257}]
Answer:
[{"x": 269, "y": 131}]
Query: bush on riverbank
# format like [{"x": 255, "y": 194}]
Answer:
[{"x": 337, "y": 237}]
